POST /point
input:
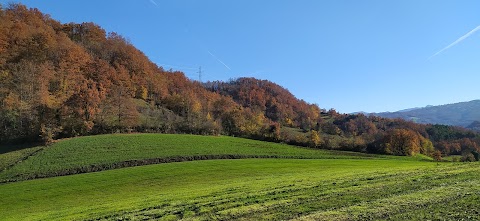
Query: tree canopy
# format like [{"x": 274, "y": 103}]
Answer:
[{"x": 62, "y": 80}]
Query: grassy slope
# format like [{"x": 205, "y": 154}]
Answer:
[
  {"x": 252, "y": 189},
  {"x": 329, "y": 185},
  {"x": 107, "y": 150},
  {"x": 12, "y": 157}
]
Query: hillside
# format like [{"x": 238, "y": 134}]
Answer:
[
  {"x": 273, "y": 101},
  {"x": 105, "y": 152},
  {"x": 91, "y": 129},
  {"x": 458, "y": 114},
  {"x": 475, "y": 125},
  {"x": 63, "y": 80},
  {"x": 264, "y": 181},
  {"x": 66, "y": 80},
  {"x": 330, "y": 186}
]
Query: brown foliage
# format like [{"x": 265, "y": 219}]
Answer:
[
  {"x": 274, "y": 101},
  {"x": 401, "y": 142},
  {"x": 437, "y": 156},
  {"x": 60, "y": 80}
]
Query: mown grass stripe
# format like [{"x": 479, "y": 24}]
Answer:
[
  {"x": 289, "y": 201},
  {"x": 386, "y": 208}
]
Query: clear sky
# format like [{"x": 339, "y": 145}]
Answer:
[{"x": 369, "y": 55}]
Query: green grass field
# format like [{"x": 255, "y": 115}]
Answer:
[
  {"x": 330, "y": 186},
  {"x": 252, "y": 189},
  {"x": 104, "y": 152},
  {"x": 10, "y": 158}
]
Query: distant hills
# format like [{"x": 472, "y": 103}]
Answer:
[
  {"x": 60, "y": 80},
  {"x": 463, "y": 114}
]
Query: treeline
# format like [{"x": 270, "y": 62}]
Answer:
[
  {"x": 331, "y": 130},
  {"x": 401, "y": 137},
  {"x": 64, "y": 80}
]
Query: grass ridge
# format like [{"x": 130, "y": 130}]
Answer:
[
  {"x": 144, "y": 162},
  {"x": 105, "y": 152}
]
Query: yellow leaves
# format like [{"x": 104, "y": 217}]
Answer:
[
  {"x": 196, "y": 107},
  {"x": 289, "y": 122},
  {"x": 253, "y": 124},
  {"x": 426, "y": 147},
  {"x": 4, "y": 75},
  {"x": 315, "y": 111},
  {"x": 259, "y": 119},
  {"x": 315, "y": 139},
  {"x": 404, "y": 142},
  {"x": 209, "y": 117},
  {"x": 142, "y": 93}
]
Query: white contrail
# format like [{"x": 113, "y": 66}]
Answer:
[
  {"x": 457, "y": 41},
  {"x": 219, "y": 60},
  {"x": 153, "y": 2}
]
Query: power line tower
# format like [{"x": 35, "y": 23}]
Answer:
[{"x": 200, "y": 74}]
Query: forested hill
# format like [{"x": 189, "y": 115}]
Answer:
[
  {"x": 63, "y": 80},
  {"x": 458, "y": 114},
  {"x": 275, "y": 102}
]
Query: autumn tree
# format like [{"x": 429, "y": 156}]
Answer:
[
  {"x": 401, "y": 142},
  {"x": 426, "y": 147},
  {"x": 437, "y": 155},
  {"x": 315, "y": 139}
]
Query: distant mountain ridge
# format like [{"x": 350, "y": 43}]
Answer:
[{"x": 458, "y": 114}]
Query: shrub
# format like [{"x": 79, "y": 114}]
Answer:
[{"x": 468, "y": 157}]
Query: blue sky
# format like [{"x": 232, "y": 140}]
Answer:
[{"x": 370, "y": 55}]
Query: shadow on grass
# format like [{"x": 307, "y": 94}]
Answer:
[{"x": 5, "y": 148}]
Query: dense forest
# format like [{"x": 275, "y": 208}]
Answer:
[{"x": 64, "y": 80}]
